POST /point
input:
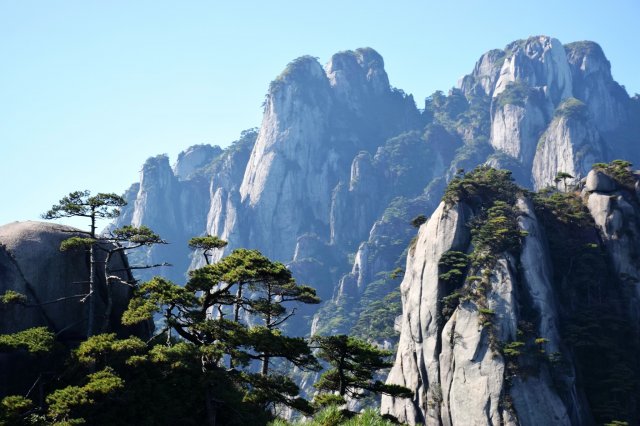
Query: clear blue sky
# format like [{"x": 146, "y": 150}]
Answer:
[{"x": 89, "y": 89}]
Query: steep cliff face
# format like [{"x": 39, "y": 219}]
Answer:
[
  {"x": 614, "y": 206},
  {"x": 316, "y": 121},
  {"x": 287, "y": 166},
  {"x": 594, "y": 85},
  {"x": 175, "y": 208},
  {"x": 517, "y": 123},
  {"x": 537, "y": 62},
  {"x": 485, "y": 327},
  {"x": 571, "y": 144},
  {"x": 325, "y": 161},
  {"x": 343, "y": 162}
]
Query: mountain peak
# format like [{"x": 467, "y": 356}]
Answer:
[
  {"x": 303, "y": 70},
  {"x": 360, "y": 70}
]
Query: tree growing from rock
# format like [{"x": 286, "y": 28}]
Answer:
[
  {"x": 101, "y": 206},
  {"x": 207, "y": 244},
  {"x": 82, "y": 204},
  {"x": 562, "y": 176}
]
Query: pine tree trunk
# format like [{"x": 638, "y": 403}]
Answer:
[
  {"x": 107, "y": 310},
  {"x": 212, "y": 411},
  {"x": 92, "y": 263},
  {"x": 92, "y": 299},
  {"x": 236, "y": 315}
]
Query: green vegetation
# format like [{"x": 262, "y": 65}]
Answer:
[
  {"x": 334, "y": 416},
  {"x": 296, "y": 71},
  {"x": 494, "y": 233},
  {"x": 222, "y": 341},
  {"x": 618, "y": 170},
  {"x": 562, "y": 177},
  {"x": 452, "y": 268},
  {"x": 100, "y": 206},
  {"x": 13, "y": 297},
  {"x": 455, "y": 112},
  {"x": 481, "y": 186},
  {"x": 37, "y": 340},
  {"x": 418, "y": 221},
  {"x": 515, "y": 93},
  {"x": 594, "y": 320},
  {"x": 353, "y": 364},
  {"x": 583, "y": 48},
  {"x": 207, "y": 244},
  {"x": 377, "y": 320},
  {"x": 572, "y": 108}
]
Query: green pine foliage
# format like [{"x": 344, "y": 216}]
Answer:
[
  {"x": 572, "y": 108},
  {"x": 334, "y": 416},
  {"x": 353, "y": 365},
  {"x": 594, "y": 315},
  {"x": 482, "y": 186},
  {"x": 620, "y": 171},
  {"x": 37, "y": 340},
  {"x": 516, "y": 93},
  {"x": 16, "y": 410},
  {"x": 13, "y": 297}
]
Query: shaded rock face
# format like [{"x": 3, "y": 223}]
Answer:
[
  {"x": 183, "y": 202},
  {"x": 594, "y": 85},
  {"x": 485, "y": 74},
  {"x": 322, "y": 161},
  {"x": 31, "y": 263},
  {"x": 172, "y": 207},
  {"x": 416, "y": 362},
  {"x": 616, "y": 211}
]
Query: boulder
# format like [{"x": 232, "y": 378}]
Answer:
[
  {"x": 54, "y": 283},
  {"x": 600, "y": 182}
]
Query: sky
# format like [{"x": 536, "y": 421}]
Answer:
[{"x": 89, "y": 89}]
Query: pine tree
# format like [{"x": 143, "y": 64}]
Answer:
[
  {"x": 82, "y": 204},
  {"x": 354, "y": 363}
]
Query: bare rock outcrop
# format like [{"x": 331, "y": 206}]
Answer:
[{"x": 55, "y": 284}]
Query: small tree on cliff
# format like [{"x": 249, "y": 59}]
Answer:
[
  {"x": 207, "y": 244},
  {"x": 562, "y": 176}
]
